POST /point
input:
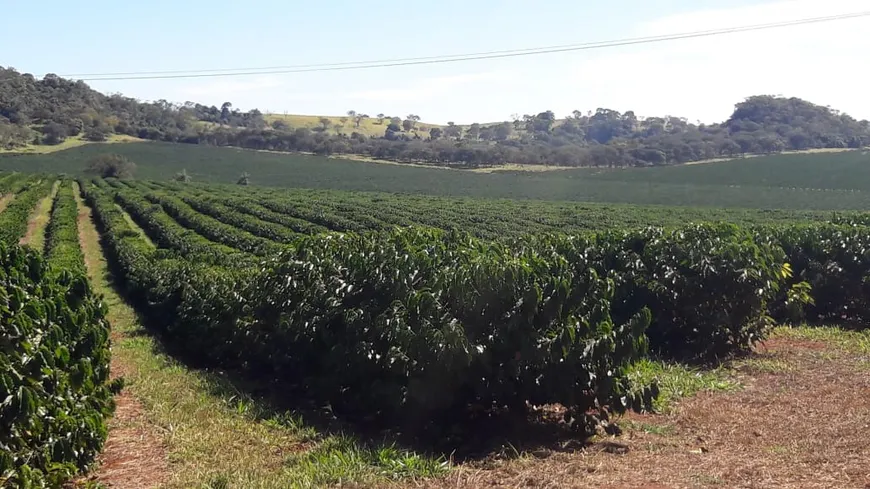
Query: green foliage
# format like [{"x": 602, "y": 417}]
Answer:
[
  {"x": 63, "y": 251},
  {"x": 834, "y": 262},
  {"x": 420, "y": 328},
  {"x": 13, "y": 220},
  {"x": 182, "y": 177},
  {"x": 406, "y": 325},
  {"x": 54, "y": 372},
  {"x": 170, "y": 235},
  {"x": 761, "y": 124},
  {"x": 211, "y": 228},
  {"x": 232, "y": 217},
  {"x": 707, "y": 286},
  {"x": 823, "y": 181},
  {"x": 111, "y": 166},
  {"x": 399, "y": 327}
]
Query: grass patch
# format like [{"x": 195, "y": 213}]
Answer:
[
  {"x": 678, "y": 381},
  {"x": 763, "y": 364},
  {"x": 332, "y": 460},
  {"x": 135, "y": 227},
  {"x": 708, "y": 480},
  {"x": 650, "y": 428},
  {"x": 219, "y": 438},
  {"x": 852, "y": 341},
  {"x": 779, "y": 450}
]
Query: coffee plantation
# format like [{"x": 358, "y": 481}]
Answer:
[{"x": 401, "y": 313}]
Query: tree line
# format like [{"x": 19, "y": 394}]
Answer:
[{"x": 51, "y": 109}]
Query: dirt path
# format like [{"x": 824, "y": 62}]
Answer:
[
  {"x": 38, "y": 221},
  {"x": 802, "y": 421},
  {"x": 134, "y": 455}
]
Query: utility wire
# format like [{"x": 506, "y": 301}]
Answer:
[{"x": 386, "y": 63}]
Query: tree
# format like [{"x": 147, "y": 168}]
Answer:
[
  {"x": 410, "y": 122},
  {"x": 517, "y": 121},
  {"x": 325, "y": 123},
  {"x": 453, "y": 131},
  {"x": 474, "y": 131},
  {"x": 54, "y": 133},
  {"x": 393, "y": 132},
  {"x": 110, "y": 165},
  {"x": 225, "y": 111},
  {"x": 729, "y": 147},
  {"x": 280, "y": 125},
  {"x": 96, "y": 134},
  {"x": 381, "y": 118},
  {"x": 435, "y": 133},
  {"x": 351, "y": 113},
  {"x": 359, "y": 118},
  {"x": 182, "y": 177},
  {"x": 245, "y": 179},
  {"x": 503, "y": 131}
]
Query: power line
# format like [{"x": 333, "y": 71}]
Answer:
[
  {"x": 386, "y": 63},
  {"x": 586, "y": 45}
]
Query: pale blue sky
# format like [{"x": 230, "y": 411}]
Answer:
[{"x": 698, "y": 79}]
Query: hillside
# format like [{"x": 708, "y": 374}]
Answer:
[
  {"x": 372, "y": 126},
  {"x": 50, "y": 110}
]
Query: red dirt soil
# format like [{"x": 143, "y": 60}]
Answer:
[
  {"x": 804, "y": 426},
  {"x": 134, "y": 456}
]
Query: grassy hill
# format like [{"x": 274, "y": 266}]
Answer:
[
  {"x": 69, "y": 143},
  {"x": 824, "y": 181},
  {"x": 343, "y": 124}
]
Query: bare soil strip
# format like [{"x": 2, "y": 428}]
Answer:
[
  {"x": 134, "y": 455},
  {"x": 801, "y": 421}
]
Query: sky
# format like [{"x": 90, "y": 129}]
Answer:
[{"x": 700, "y": 79}]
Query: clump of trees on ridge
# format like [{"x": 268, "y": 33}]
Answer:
[{"x": 47, "y": 111}]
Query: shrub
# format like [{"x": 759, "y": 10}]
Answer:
[
  {"x": 707, "y": 286},
  {"x": 54, "y": 372},
  {"x": 109, "y": 165}
]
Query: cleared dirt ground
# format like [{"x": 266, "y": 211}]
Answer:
[{"x": 801, "y": 420}]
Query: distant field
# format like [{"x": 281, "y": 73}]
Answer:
[
  {"x": 828, "y": 181},
  {"x": 485, "y": 218},
  {"x": 367, "y": 127},
  {"x": 820, "y": 170}
]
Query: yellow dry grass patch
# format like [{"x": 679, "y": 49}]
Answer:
[
  {"x": 367, "y": 127},
  {"x": 70, "y": 143}
]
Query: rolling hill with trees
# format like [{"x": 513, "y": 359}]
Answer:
[{"x": 47, "y": 111}]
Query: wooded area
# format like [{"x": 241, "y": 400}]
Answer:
[{"x": 47, "y": 111}]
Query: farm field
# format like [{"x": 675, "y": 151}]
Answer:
[
  {"x": 238, "y": 313},
  {"x": 821, "y": 181},
  {"x": 330, "y": 210}
]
